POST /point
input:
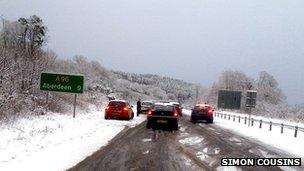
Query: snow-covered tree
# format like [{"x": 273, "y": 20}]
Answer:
[{"x": 268, "y": 89}]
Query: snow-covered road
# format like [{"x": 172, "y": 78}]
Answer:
[{"x": 193, "y": 147}]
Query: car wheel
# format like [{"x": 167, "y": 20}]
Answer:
[
  {"x": 132, "y": 116},
  {"x": 210, "y": 121},
  {"x": 175, "y": 126},
  {"x": 192, "y": 120},
  {"x": 148, "y": 125},
  {"x": 106, "y": 117}
]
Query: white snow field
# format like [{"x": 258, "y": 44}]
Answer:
[
  {"x": 57, "y": 141},
  {"x": 285, "y": 141}
]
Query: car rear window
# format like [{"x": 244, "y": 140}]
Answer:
[
  {"x": 163, "y": 108},
  {"x": 198, "y": 108},
  {"x": 147, "y": 103},
  {"x": 176, "y": 105},
  {"x": 116, "y": 103}
]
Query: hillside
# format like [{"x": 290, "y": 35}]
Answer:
[{"x": 156, "y": 87}]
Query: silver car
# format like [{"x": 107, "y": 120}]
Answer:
[{"x": 146, "y": 105}]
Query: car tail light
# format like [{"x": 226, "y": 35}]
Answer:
[
  {"x": 107, "y": 108},
  {"x": 125, "y": 108},
  {"x": 175, "y": 114},
  {"x": 210, "y": 112},
  {"x": 149, "y": 112}
]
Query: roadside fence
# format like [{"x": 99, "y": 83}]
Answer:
[{"x": 261, "y": 123}]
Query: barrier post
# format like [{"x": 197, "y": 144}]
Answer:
[{"x": 296, "y": 131}]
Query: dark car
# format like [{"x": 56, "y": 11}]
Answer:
[
  {"x": 119, "y": 109},
  {"x": 163, "y": 116},
  {"x": 202, "y": 112},
  {"x": 146, "y": 106}
]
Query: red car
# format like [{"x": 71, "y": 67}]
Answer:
[
  {"x": 202, "y": 112},
  {"x": 119, "y": 109}
]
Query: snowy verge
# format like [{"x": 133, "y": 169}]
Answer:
[
  {"x": 285, "y": 141},
  {"x": 56, "y": 141}
]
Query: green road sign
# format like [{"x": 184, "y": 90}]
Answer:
[
  {"x": 61, "y": 82},
  {"x": 229, "y": 99}
]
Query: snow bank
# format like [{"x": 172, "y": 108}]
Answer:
[
  {"x": 187, "y": 112},
  {"x": 56, "y": 141},
  {"x": 274, "y": 120},
  {"x": 285, "y": 141}
]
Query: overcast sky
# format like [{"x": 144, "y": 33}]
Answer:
[{"x": 193, "y": 40}]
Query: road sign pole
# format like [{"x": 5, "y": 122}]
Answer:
[
  {"x": 74, "y": 105},
  {"x": 47, "y": 102},
  {"x": 249, "y": 116}
]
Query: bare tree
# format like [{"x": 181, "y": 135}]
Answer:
[
  {"x": 22, "y": 59},
  {"x": 268, "y": 89}
]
